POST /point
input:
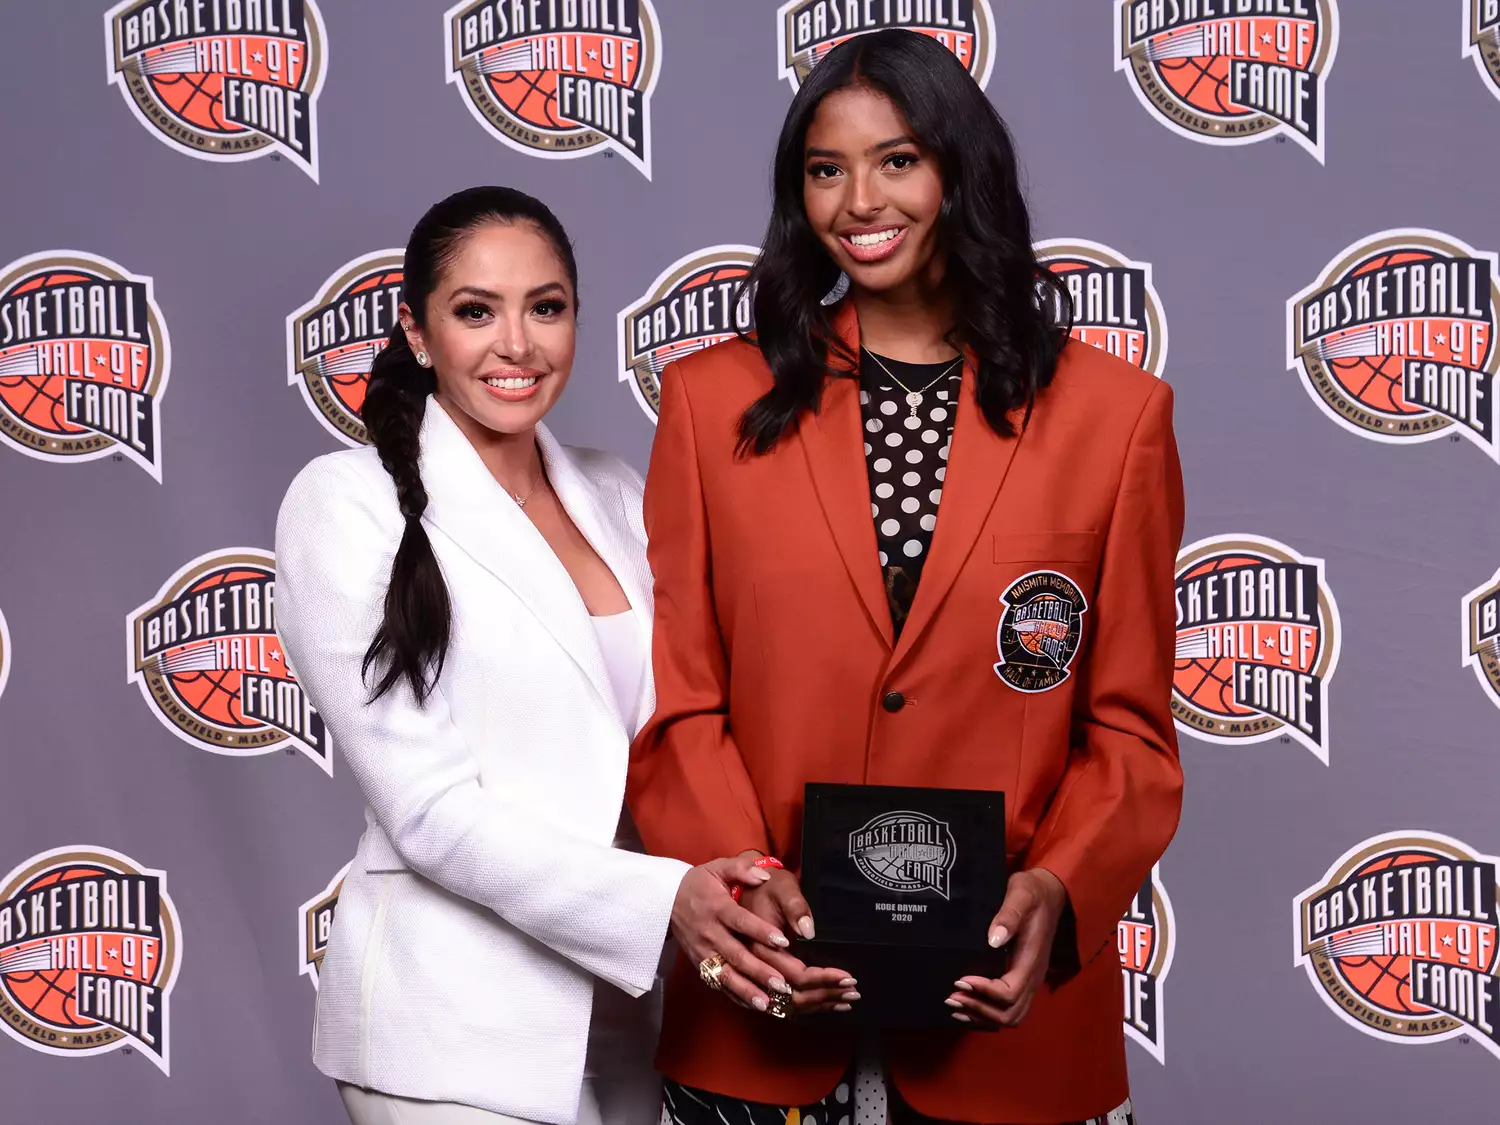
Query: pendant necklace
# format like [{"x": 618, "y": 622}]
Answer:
[
  {"x": 913, "y": 398},
  {"x": 521, "y": 499}
]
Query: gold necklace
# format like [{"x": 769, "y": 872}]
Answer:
[
  {"x": 913, "y": 398},
  {"x": 521, "y": 500}
]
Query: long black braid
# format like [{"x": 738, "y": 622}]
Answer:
[{"x": 411, "y": 643}]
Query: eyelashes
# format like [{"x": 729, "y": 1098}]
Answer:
[
  {"x": 475, "y": 312},
  {"x": 896, "y": 162}
]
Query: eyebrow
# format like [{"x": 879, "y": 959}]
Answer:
[
  {"x": 491, "y": 295},
  {"x": 882, "y": 146}
]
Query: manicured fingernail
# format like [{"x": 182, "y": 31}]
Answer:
[
  {"x": 778, "y": 939},
  {"x": 779, "y": 985},
  {"x": 998, "y": 936},
  {"x": 805, "y": 927},
  {"x": 850, "y": 996},
  {"x": 952, "y": 1003},
  {"x": 759, "y": 1003},
  {"x": 960, "y": 1017},
  {"x": 848, "y": 982},
  {"x": 963, "y": 986},
  {"x": 758, "y": 875},
  {"x": 842, "y": 1008}
]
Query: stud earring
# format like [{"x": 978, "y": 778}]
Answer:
[
  {"x": 839, "y": 290},
  {"x": 422, "y": 359}
]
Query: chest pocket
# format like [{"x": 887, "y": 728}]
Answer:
[{"x": 1047, "y": 547}]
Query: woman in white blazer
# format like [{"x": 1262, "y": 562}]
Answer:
[{"x": 467, "y": 603}]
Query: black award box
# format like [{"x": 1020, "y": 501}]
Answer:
[{"x": 903, "y": 884}]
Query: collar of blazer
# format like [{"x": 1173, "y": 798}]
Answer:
[
  {"x": 978, "y": 460},
  {"x": 471, "y": 509}
]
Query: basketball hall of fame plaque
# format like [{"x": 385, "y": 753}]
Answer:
[{"x": 903, "y": 884}]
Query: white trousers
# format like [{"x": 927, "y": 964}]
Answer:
[{"x": 371, "y": 1107}]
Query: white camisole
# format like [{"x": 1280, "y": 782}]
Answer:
[{"x": 623, "y": 1030}]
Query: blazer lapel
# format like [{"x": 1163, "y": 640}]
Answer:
[
  {"x": 833, "y": 440},
  {"x": 470, "y": 508},
  {"x": 978, "y": 460},
  {"x": 597, "y": 507}
]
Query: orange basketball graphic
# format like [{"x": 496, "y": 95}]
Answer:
[
  {"x": 197, "y": 99},
  {"x": 89, "y": 948},
  {"x": 1257, "y": 641},
  {"x": 38, "y": 399},
  {"x": 48, "y": 993},
  {"x": 1202, "y": 83},
  {"x": 694, "y": 303},
  {"x": 209, "y": 664},
  {"x": 1400, "y": 935},
  {"x": 214, "y": 693},
  {"x": 1375, "y": 381},
  {"x": 1224, "y": 77},
  {"x": 233, "y": 83},
  {"x": 1208, "y": 682},
  {"x": 83, "y": 360},
  {"x": 1382, "y": 979},
  {"x": 333, "y": 339},
  {"x": 559, "y": 82},
  {"x": 1395, "y": 340}
]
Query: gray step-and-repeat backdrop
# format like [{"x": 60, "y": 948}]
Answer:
[{"x": 1286, "y": 208}]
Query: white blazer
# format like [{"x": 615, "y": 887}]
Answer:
[{"x": 485, "y": 896}]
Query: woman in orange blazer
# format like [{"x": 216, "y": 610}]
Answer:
[{"x": 840, "y": 600}]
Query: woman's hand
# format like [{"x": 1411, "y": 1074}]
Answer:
[
  {"x": 1034, "y": 901},
  {"x": 778, "y": 900},
  {"x": 705, "y": 920}
]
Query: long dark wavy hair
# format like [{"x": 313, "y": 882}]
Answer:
[
  {"x": 1010, "y": 310},
  {"x": 411, "y": 643}
]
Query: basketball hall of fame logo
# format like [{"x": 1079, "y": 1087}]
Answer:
[
  {"x": 89, "y": 949},
  {"x": 1482, "y": 39},
  {"x": 1257, "y": 643},
  {"x": 806, "y": 30},
  {"x": 222, "y": 80},
  {"x": 1395, "y": 341},
  {"x": 1230, "y": 72},
  {"x": 333, "y": 340},
  {"x": 314, "y": 924},
  {"x": 696, "y": 302},
  {"x": 1399, "y": 938},
  {"x": 559, "y": 78},
  {"x": 1115, "y": 305},
  {"x": 1147, "y": 938},
  {"x": 1041, "y": 626},
  {"x": 1481, "y": 631},
  {"x": 905, "y": 852},
  {"x": 209, "y": 664},
  {"x": 84, "y": 360}
]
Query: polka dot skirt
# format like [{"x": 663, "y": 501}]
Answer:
[
  {"x": 906, "y": 452},
  {"x": 860, "y": 1098}
]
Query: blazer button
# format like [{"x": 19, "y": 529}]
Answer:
[{"x": 893, "y": 701}]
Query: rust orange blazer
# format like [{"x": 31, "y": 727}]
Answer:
[{"x": 774, "y": 656}]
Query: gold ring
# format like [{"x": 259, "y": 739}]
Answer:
[
  {"x": 780, "y": 1006},
  {"x": 710, "y": 969}
]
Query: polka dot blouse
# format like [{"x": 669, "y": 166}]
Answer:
[{"x": 906, "y": 452}]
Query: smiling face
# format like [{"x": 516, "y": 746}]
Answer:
[
  {"x": 499, "y": 331},
  {"x": 872, "y": 193}
]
